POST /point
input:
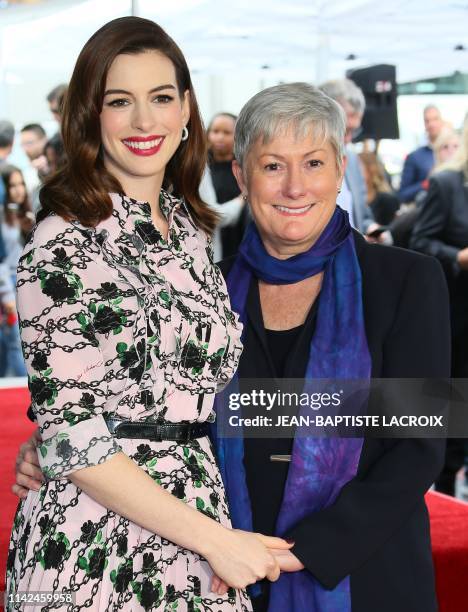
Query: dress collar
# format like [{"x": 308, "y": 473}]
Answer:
[{"x": 168, "y": 204}]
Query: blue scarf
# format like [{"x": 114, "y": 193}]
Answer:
[{"x": 319, "y": 467}]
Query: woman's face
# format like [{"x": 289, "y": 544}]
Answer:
[
  {"x": 221, "y": 136},
  {"x": 292, "y": 185},
  {"x": 448, "y": 149},
  {"x": 16, "y": 188},
  {"x": 142, "y": 117}
]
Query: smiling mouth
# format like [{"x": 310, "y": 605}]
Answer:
[
  {"x": 293, "y": 212},
  {"x": 143, "y": 145}
]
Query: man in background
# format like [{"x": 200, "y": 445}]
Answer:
[
  {"x": 7, "y": 136},
  {"x": 419, "y": 163},
  {"x": 33, "y": 141},
  {"x": 55, "y": 99},
  {"x": 353, "y": 196}
]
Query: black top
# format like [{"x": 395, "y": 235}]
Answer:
[
  {"x": 441, "y": 230},
  {"x": 266, "y": 493},
  {"x": 226, "y": 189},
  {"x": 377, "y": 531},
  {"x": 384, "y": 207},
  {"x": 280, "y": 344},
  {"x": 224, "y": 181}
]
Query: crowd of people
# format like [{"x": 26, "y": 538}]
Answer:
[{"x": 143, "y": 330}]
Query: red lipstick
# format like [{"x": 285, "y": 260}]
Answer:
[{"x": 144, "y": 145}]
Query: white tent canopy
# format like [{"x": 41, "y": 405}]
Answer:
[
  {"x": 419, "y": 36},
  {"x": 234, "y": 48}
]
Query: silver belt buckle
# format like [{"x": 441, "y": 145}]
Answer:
[{"x": 283, "y": 458}]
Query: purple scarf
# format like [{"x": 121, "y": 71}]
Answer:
[{"x": 319, "y": 467}]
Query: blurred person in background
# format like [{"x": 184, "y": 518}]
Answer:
[
  {"x": 18, "y": 212},
  {"x": 33, "y": 141},
  {"x": 54, "y": 153},
  {"x": 441, "y": 230},
  {"x": 8, "y": 315},
  {"x": 7, "y": 137},
  {"x": 380, "y": 195},
  {"x": 17, "y": 222},
  {"x": 228, "y": 213},
  {"x": 55, "y": 99},
  {"x": 353, "y": 196},
  {"x": 445, "y": 146},
  {"x": 234, "y": 218},
  {"x": 420, "y": 162}
]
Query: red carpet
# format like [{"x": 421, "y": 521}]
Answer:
[
  {"x": 449, "y": 518},
  {"x": 15, "y": 429},
  {"x": 449, "y": 533}
]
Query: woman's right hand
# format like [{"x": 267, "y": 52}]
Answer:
[
  {"x": 240, "y": 558},
  {"x": 28, "y": 471}
]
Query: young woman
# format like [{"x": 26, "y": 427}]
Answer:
[
  {"x": 234, "y": 216},
  {"x": 17, "y": 221},
  {"x": 127, "y": 334}
]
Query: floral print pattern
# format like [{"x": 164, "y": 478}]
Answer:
[{"x": 118, "y": 321}]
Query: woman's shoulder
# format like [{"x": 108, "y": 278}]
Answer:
[
  {"x": 55, "y": 231},
  {"x": 447, "y": 178}
]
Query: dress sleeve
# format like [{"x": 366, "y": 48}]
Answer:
[{"x": 65, "y": 365}]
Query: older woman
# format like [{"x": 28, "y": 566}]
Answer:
[{"x": 317, "y": 301}]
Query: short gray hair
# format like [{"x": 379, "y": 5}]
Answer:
[
  {"x": 7, "y": 133},
  {"x": 299, "y": 106},
  {"x": 345, "y": 90}
]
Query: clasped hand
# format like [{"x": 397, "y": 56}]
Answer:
[{"x": 238, "y": 558}]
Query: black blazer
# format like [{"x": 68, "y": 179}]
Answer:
[
  {"x": 377, "y": 531},
  {"x": 441, "y": 230}
]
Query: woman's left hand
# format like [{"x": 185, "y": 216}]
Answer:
[{"x": 287, "y": 561}]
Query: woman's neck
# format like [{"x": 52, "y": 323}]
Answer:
[
  {"x": 148, "y": 191},
  {"x": 287, "y": 306}
]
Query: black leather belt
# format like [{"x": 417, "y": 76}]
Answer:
[{"x": 177, "y": 432}]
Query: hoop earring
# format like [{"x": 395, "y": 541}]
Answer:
[{"x": 184, "y": 133}]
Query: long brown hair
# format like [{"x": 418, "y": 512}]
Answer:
[
  {"x": 24, "y": 207},
  {"x": 79, "y": 190},
  {"x": 376, "y": 179}
]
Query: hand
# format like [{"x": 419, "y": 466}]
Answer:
[
  {"x": 28, "y": 471},
  {"x": 239, "y": 558},
  {"x": 462, "y": 258},
  {"x": 40, "y": 164},
  {"x": 287, "y": 561},
  {"x": 218, "y": 586}
]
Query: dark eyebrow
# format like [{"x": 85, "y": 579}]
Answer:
[{"x": 129, "y": 93}]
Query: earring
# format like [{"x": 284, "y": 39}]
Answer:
[
  {"x": 184, "y": 133},
  {"x": 245, "y": 197}
]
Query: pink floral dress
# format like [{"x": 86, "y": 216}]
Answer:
[{"x": 117, "y": 321}]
